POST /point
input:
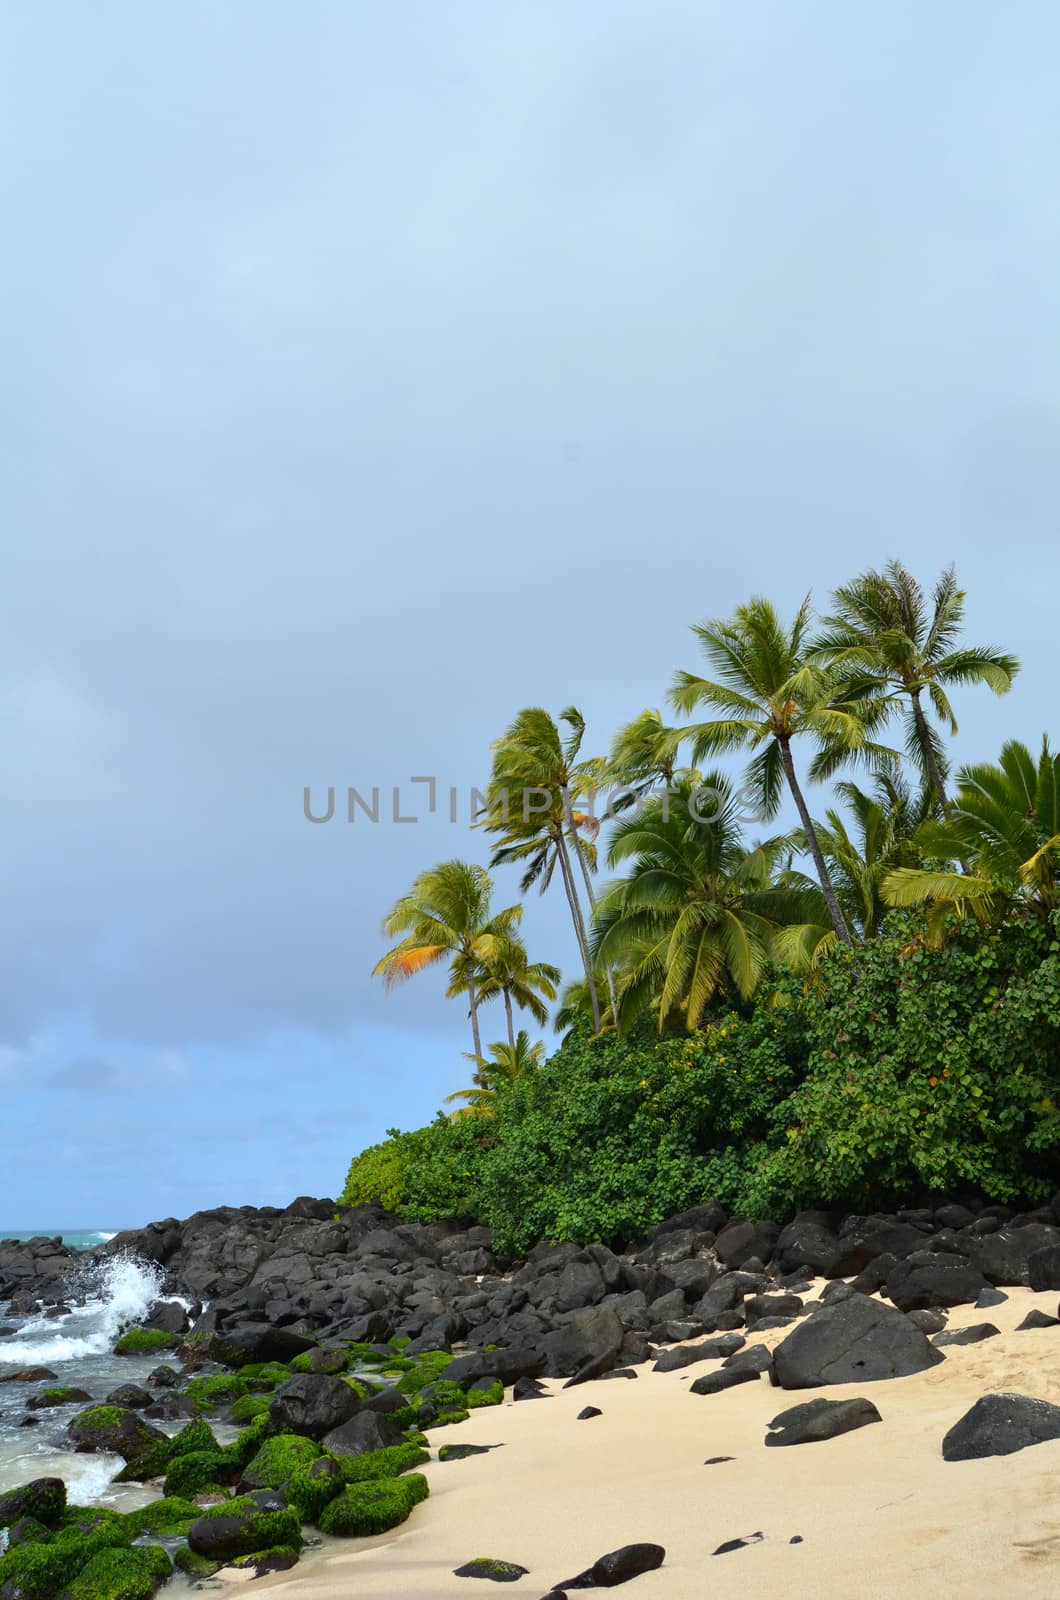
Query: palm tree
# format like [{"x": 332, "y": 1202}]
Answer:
[
  {"x": 691, "y": 919},
  {"x": 884, "y": 626},
  {"x": 1003, "y": 827},
  {"x": 537, "y": 777},
  {"x": 510, "y": 974},
  {"x": 643, "y": 754},
  {"x": 446, "y": 916},
  {"x": 506, "y": 1063},
  {"x": 770, "y": 691}
]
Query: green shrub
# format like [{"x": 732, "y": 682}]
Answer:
[
  {"x": 373, "y": 1507},
  {"x": 929, "y": 1069}
]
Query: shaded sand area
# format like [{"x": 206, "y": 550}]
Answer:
[{"x": 879, "y": 1512}]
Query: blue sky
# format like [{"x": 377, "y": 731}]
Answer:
[{"x": 374, "y": 371}]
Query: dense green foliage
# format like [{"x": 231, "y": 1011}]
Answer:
[{"x": 901, "y": 1067}]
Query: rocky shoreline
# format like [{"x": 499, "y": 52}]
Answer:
[{"x": 340, "y": 1345}]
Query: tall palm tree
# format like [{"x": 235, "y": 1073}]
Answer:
[
  {"x": 536, "y": 780},
  {"x": 505, "y": 1063},
  {"x": 509, "y": 974},
  {"x": 1003, "y": 827},
  {"x": 446, "y": 916},
  {"x": 884, "y": 625},
  {"x": 771, "y": 691},
  {"x": 690, "y": 919}
]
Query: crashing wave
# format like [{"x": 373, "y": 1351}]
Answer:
[{"x": 116, "y": 1292}]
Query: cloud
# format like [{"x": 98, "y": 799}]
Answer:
[{"x": 89, "y": 1075}]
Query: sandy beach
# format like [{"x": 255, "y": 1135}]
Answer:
[{"x": 878, "y": 1511}]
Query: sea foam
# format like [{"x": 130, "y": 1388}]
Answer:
[{"x": 116, "y": 1292}]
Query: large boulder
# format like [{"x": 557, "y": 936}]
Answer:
[
  {"x": 256, "y": 1341},
  {"x": 1043, "y": 1268},
  {"x": 312, "y": 1403},
  {"x": 999, "y": 1425},
  {"x": 821, "y": 1419},
  {"x": 1005, "y": 1257},
  {"x": 587, "y": 1347},
  {"x": 367, "y": 1431},
  {"x": 866, "y": 1239},
  {"x": 114, "y": 1431},
  {"x": 509, "y": 1365},
  {"x": 925, "y": 1281},
  {"x": 852, "y": 1341},
  {"x": 44, "y": 1500},
  {"x": 250, "y": 1522},
  {"x": 741, "y": 1240},
  {"x": 809, "y": 1241}
]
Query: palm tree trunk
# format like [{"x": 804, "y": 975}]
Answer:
[
  {"x": 924, "y": 736},
  {"x": 592, "y": 906},
  {"x": 579, "y": 924},
  {"x": 508, "y": 1013},
  {"x": 835, "y": 911},
  {"x": 472, "y": 998}
]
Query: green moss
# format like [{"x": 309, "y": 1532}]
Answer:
[
  {"x": 447, "y": 1417},
  {"x": 142, "y": 1341},
  {"x": 195, "y": 1435},
  {"x": 388, "y": 1463},
  {"x": 193, "y": 1565},
  {"x": 264, "y": 1375},
  {"x": 248, "y": 1442},
  {"x": 220, "y": 1390},
  {"x": 426, "y": 1369},
  {"x": 489, "y": 1567},
  {"x": 328, "y": 1362},
  {"x": 61, "y": 1396},
  {"x": 444, "y": 1396},
  {"x": 373, "y": 1507},
  {"x": 40, "y": 1569},
  {"x": 172, "y": 1515},
  {"x": 200, "y": 1469},
  {"x": 27, "y": 1530},
  {"x": 261, "y": 1529},
  {"x": 121, "y": 1575},
  {"x": 249, "y": 1407},
  {"x": 97, "y": 1419},
  {"x": 485, "y": 1397},
  {"x": 362, "y": 1353},
  {"x": 298, "y": 1467},
  {"x": 362, "y": 1390}
]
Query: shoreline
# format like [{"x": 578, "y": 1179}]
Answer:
[{"x": 879, "y": 1512}]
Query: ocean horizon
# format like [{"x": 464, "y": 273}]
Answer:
[{"x": 76, "y": 1238}]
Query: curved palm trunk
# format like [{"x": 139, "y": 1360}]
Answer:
[
  {"x": 928, "y": 753},
  {"x": 508, "y": 1014},
  {"x": 592, "y": 906},
  {"x": 835, "y": 911},
  {"x": 472, "y": 997},
  {"x": 579, "y": 924}
]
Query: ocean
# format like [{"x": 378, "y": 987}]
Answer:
[
  {"x": 76, "y": 1238},
  {"x": 77, "y": 1348}
]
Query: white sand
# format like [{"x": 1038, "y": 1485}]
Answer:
[{"x": 879, "y": 1511}]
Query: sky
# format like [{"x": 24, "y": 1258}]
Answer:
[{"x": 373, "y": 371}]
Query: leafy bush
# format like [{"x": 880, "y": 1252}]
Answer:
[{"x": 929, "y": 1069}]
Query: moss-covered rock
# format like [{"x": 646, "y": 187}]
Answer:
[
  {"x": 40, "y": 1569},
  {"x": 295, "y": 1465},
  {"x": 59, "y": 1395},
  {"x": 194, "y": 1566},
  {"x": 489, "y": 1567},
  {"x": 446, "y": 1418},
  {"x": 172, "y": 1515},
  {"x": 249, "y": 1440},
  {"x": 248, "y": 1407},
  {"x": 144, "y": 1342},
  {"x": 220, "y": 1390},
  {"x": 244, "y": 1525},
  {"x": 157, "y": 1459},
  {"x": 27, "y": 1530},
  {"x": 115, "y": 1430},
  {"x": 330, "y": 1361},
  {"x": 279, "y": 1559},
  {"x": 426, "y": 1369},
  {"x": 264, "y": 1375},
  {"x": 198, "y": 1470},
  {"x": 484, "y": 1393},
  {"x": 373, "y": 1507},
  {"x": 389, "y": 1463},
  {"x": 43, "y": 1499},
  {"x": 121, "y": 1575}
]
